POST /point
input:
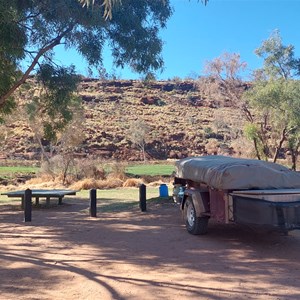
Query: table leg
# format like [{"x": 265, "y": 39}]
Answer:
[
  {"x": 48, "y": 201},
  {"x": 22, "y": 202},
  {"x": 37, "y": 200},
  {"x": 60, "y": 200}
]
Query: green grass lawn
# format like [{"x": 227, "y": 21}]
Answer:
[
  {"x": 112, "y": 200},
  {"x": 122, "y": 199},
  {"x": 136, "y": 170},
  {"x": 151, "y": 169},
  {"x": 21, "y": 169},
  {"x": 121, "y": 193}
]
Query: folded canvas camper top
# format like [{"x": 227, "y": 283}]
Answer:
[{"x": 229, "y": 173}]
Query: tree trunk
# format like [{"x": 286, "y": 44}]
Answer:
[
  {"x": 295, "y": 153},
  {"x": 282, "y": 139},
  {"x": 66, "y": 168},
  {"x": 294, "y": 159},
  {"x": 256, "y": 149},
  {"x": 44, "y": 154}
]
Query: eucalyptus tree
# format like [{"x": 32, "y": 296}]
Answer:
[
  {"x": 30, "y": 30},
  {"x": 108, "y": 6},
  {"x": 275, "y": 100},
  {"x": 53, "y": 102},
  {"x": 276, "y": 107},
  {"x": 279, "y": 59}
]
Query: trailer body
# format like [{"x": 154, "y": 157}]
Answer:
[{"x": 242, "y": 191}]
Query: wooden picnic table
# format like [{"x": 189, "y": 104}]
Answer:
[{"x": 48, "y": 194}]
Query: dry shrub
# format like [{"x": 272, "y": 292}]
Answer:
[
  {"x": 85, "y": 184},
  {"x": 66, "y": 168},
  {"x": 44, "y": 185},
  {"x": 91, "y": 183},
  {"x": 8, "y": 188},
  {"x": 212, "y": 146},
  {"x": 133, "y": 182},
  {"x": 42, "y": 178},
  {"x": 88, "y": 168},
  {"x": 109, "y": 183},
  {"x": 55, "y": 166},
  {"x": 42, "y": 182},
  {"x": 243, "y": 147},
  {"x": 51, "y": 179},
  {"x": 118, "y": 171}
]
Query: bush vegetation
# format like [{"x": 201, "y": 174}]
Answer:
[{"x": 84, "y": 174}]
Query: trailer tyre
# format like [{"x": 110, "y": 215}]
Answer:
[{"x": 194, "y": 225}]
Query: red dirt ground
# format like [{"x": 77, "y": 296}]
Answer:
[{"x": 65, "y": 254}]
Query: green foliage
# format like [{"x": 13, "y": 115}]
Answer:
[
  {"x": 12, "y": 40},
  {"x": 161, "y": 102},
  {"x": 293, "y": 143},
  {"x": 251, "y": 131},
  {"x": 54, "y": 107},
  {"x": 7, "y": 108},
  {"x": 279, "y": 60},
  {"x": 208, "y": 131},
  {"x": 32, "y": 29},
  {"x": 275, "y": 97},
  {"x": 134, "y": 35},
  {"x": 149, "y": 77},
  {"x": 108, "y": 6}
]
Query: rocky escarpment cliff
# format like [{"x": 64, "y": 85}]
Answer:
[{"x": 181, "y": 121}]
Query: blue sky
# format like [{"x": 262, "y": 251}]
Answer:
[{"x": 196, "y": 33}]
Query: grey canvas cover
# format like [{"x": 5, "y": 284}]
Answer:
[{"x": 229, "y": 173}]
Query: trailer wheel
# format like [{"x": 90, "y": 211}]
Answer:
[{"x": 194, "y": 225}]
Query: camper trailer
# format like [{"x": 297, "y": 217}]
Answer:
[{"x": 236, "y": 190}]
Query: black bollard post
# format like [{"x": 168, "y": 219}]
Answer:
[
  {"x": 143, "y": 197},
  {"x": 93, "y": 203},
  {"x": 27, "y": 205}
]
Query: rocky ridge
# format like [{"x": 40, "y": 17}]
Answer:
[{"x": 181, "y": 119}]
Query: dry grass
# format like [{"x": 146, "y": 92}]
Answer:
[
  {"x": 44, "y": 181},
  {"x": 156, "y": 183},
  {"x": 117, "y": 171},
  {"x": 91, "y": 183},
  {"x": 32, "y": 184},
  {"x": 42, "y": 178},
  {"x": 133, "y": 182}
]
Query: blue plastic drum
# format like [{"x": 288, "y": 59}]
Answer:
[{"x": 163, "y": 190}]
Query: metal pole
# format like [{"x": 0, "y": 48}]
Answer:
[
  {"x": 27, "y": 205},
  {"x": 93, "y": 203},
  {"x": 143, "y": 197}
]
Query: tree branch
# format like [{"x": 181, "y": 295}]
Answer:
[
  {"x": 40, "y": 53},
  {"x": 29, "y": 16},
  {"x": 282, "y": 139}
]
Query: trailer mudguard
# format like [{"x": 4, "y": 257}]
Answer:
[{"x": 200, "y": 200}]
